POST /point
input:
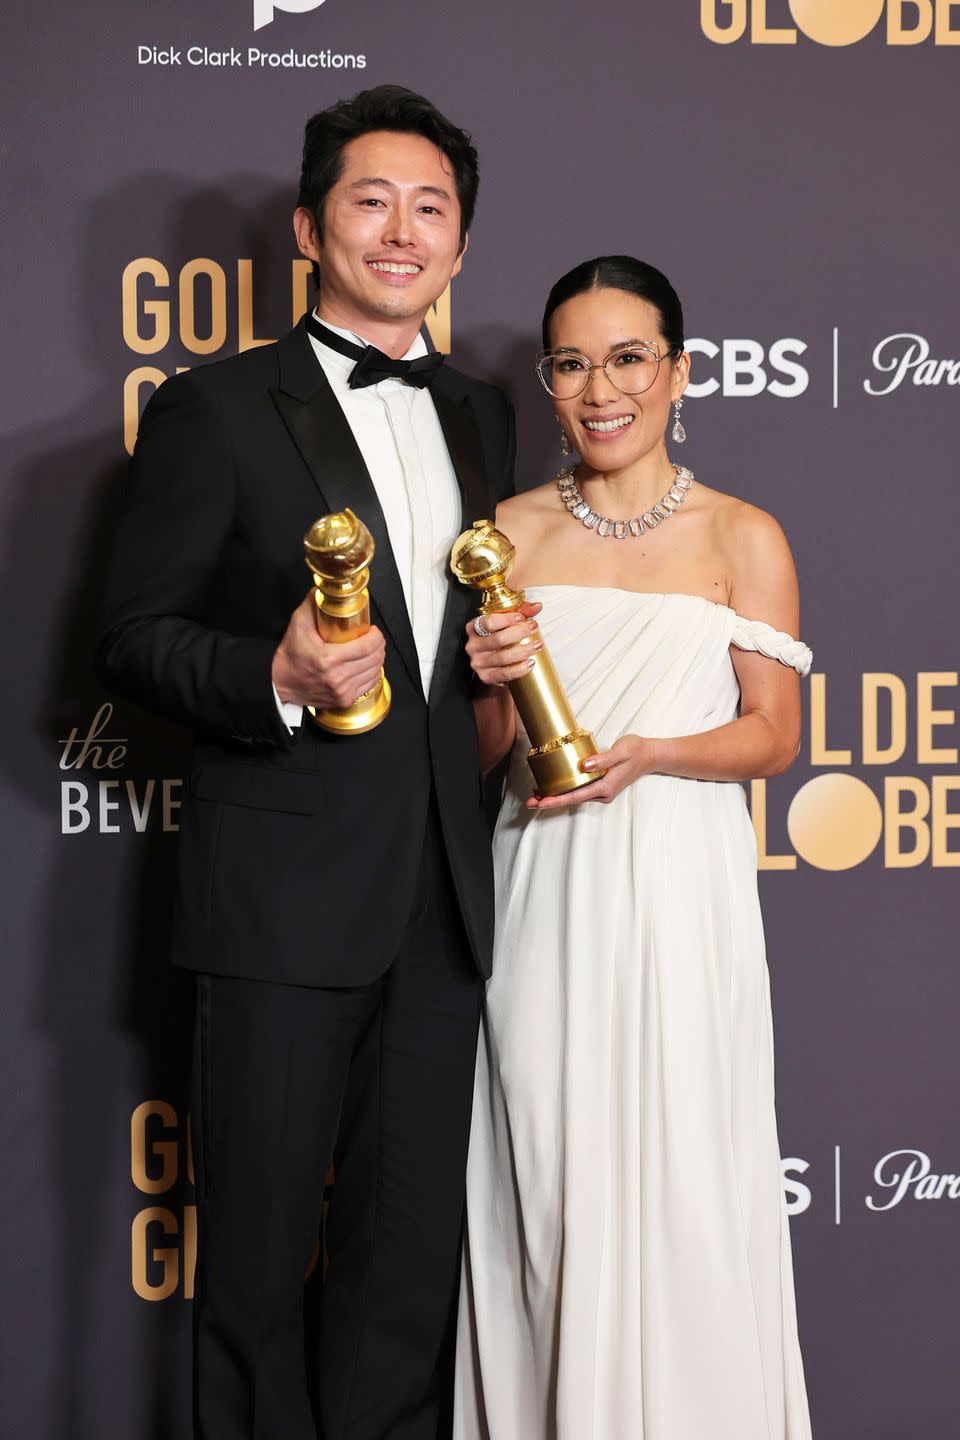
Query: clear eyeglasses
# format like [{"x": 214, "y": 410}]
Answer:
[{"x": 565, "y": 374}]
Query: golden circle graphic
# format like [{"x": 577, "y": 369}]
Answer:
[
  {"x": 834, "y": 822},
  {"x": 831, "y": 23}
]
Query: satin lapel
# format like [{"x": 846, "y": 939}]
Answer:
[
  {"x": 322, "y": 434},
  {"x": 462, "y": 435}
]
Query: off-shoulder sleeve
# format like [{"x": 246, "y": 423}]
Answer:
[{"x": 776, "y": 644}]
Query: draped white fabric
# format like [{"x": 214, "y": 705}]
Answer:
[{"x": 627, "y": 1270}]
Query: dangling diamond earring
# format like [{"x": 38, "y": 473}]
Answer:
[
  {"x": 566, "y": 449},
  {"x": 679, "y": 434}
]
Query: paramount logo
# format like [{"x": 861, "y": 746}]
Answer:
[
  {"x": 908, "y": 355},
  {"x": 910, "y": 1174},
  {"x": 264, "y": 10}
]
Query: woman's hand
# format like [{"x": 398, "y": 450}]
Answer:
[
  {"x": 629, "y": 759},
  {"x": 507, "y": 653}
]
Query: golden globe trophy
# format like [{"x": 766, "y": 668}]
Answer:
[
  {"x": 338, "y": 550},
  {"x": 482, "y": 557}
]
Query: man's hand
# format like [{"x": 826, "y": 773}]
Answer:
[{"x": 307, "y": 670}]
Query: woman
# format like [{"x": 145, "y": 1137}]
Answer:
[{"x": 627, "y": 1271}]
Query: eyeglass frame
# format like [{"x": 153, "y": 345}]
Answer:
[{"x": 651, "y": 345}]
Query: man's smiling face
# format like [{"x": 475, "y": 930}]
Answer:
[{"x": 391, "y": 231}]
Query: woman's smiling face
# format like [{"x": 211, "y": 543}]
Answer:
[{"x": 611, "y": 429}]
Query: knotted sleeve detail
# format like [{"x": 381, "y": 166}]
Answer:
[{"x": 775, "y": 644}]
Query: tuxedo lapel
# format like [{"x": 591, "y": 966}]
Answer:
[
  {"x": 322, "y": 434},
  {"x": 462, "y": 435}
]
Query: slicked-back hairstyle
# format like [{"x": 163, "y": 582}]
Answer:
[
  {"x": 621, "y": 272},
  {"x": 386, "y": 107}
]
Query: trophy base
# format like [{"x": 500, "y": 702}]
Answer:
[
  {"x": 364, "y": 714},
  {"x": 556, "y": 765}
]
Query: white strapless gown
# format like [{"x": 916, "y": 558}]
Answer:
[{"x": 627, "y": 1271}]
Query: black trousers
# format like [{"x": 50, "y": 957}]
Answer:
[{"x": 378, "y": 1080}]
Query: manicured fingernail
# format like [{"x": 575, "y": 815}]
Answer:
[
  {"x": 588, "y": 764},
  {"x": 531, "y": 662}
]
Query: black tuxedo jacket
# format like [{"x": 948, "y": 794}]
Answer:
[{"x": 298, "y": 854}]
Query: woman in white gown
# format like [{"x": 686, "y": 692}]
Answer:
[{"x": 627, "y": 1270}]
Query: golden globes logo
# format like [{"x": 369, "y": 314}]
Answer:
[
  {"x": 163, "y": 1237},
  {"x": 160, "y": 309},
  {"x": 830, "y": 22},
  {"x": 837, "y": 820}
]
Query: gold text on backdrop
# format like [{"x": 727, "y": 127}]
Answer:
[
  {"x": 829, "y": 22},
  {"x": 159, "y": 311}
]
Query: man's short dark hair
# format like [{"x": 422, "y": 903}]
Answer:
[{"x": 386, "y": 107}]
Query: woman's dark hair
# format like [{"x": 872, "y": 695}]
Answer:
[
  {"x": 621, "y": 272},
  {"x": 386, "y": 107}
]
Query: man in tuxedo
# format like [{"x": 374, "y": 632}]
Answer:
[{"x": 335, "y": 892}]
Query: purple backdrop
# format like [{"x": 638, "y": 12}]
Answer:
[{"x": 784, "y": 163}]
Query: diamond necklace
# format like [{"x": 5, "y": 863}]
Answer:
[{"x": 620, "y": 529}]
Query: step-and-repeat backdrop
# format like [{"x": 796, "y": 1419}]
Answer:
[{"x": 786, "y": 162}]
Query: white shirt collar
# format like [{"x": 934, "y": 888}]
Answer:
[{"x": 343, "y": 362}]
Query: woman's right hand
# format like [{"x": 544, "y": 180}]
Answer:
[{"x": 508, "y": 652}]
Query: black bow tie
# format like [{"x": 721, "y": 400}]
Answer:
[{"x": 372, "y": 365}]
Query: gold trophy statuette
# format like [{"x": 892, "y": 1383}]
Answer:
[
  {"x": 338, "y": 550},
  {"x": 482, "y": 558}
]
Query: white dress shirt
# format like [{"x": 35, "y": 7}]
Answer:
[{"x": 399, "y": 436}]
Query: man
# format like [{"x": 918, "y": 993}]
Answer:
[{"x": 335, "y": 892}]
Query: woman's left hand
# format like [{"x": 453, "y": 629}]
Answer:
[{"x": 629, "y": 759}]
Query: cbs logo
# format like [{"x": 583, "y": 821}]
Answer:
[
  {"x": 827, "y": 22},
  {"x": 743, "y": 368}
]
